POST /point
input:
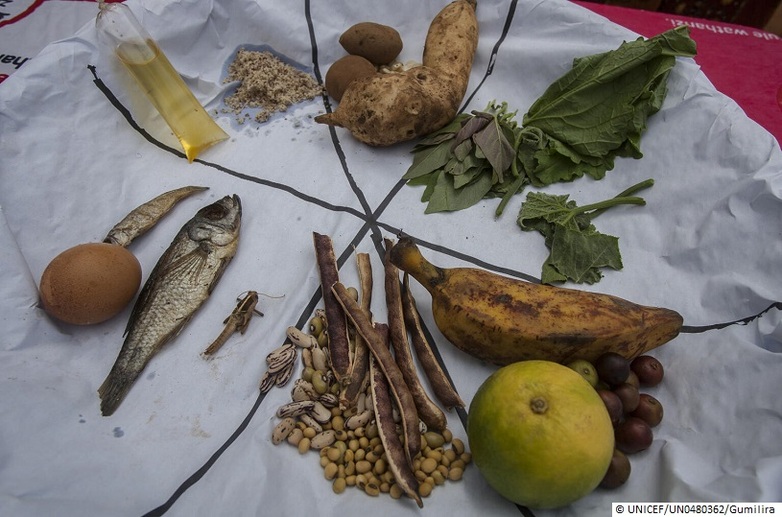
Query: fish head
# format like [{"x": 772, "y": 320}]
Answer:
[{"x": 219, "y": 222}]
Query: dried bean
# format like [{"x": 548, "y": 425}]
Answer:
[
  {"x": 323, "y": 439},
  {"x": 428, "y": 465},
  {"x": 434, "y": 439},
  {"x": 295, "y": 436},
  {"x": 307, "y": 420},
  {"x": 338, "y": 486},
  {"x": 455, "y": 474},
  {"x": 372, "y": 489},
  {"x": 283, "y": 430},
  {"x": 316, "y": 326}
]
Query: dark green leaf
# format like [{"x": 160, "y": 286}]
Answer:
[
  {"x": 577, "y": 249},
  {"x": 496, "y": 147},
  {"x": 598, "y": 110},
  {"x": 470, "y": 127},
  {"x": 463, "y": 150},
  {"x": 446, "y": 133},
  {"x": 427, "y": 161},
  {"x": 468, "y": 177},
  {"x": 431, "y": 183},
  {"x": 579, "y": 256},
  {"x": 552, "y": 209},
  {"x": 447, "y": 198}
]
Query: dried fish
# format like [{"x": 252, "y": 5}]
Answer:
[
  {"x": 182, "y": 280},
  {"x": 145, "y": 216}
]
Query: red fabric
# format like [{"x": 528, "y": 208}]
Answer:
[{"x": 744, "y": 63}]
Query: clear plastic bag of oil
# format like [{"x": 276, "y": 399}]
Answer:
[{"x": 119, "y": 29}]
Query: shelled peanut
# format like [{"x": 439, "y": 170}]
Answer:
[{"x": 350, "y": 449}]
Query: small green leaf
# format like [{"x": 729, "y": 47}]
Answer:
[
  {"x": 463, "y": 150},
  {"x": 427, "y": 161},
  {"x": 446, "y": 198},
  {"x": 471, "y": 126},
  {"x": 580, "y": 256},
  {"x": 468, "y": 177},
  {"x": 496, "y": 147}
]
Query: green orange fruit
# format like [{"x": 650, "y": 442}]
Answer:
[{"x": 540, "y": 434}]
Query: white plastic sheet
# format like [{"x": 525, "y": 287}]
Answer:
[{"x": 193, "y": 437}]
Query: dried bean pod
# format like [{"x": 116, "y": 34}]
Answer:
[
  {"x": 438, "y": 380},
  {"x": 339, "y": 347},
  {"x": 429, "y": 412},
  {"x": 376, "y": 341},
  {"x": 395, "y": 451},
  {"x": 359, "y": 366}
]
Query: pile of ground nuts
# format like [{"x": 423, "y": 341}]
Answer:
[{"x": 351, "y": 452}]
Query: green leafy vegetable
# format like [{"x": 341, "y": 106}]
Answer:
[
  {"x": 577, "y": 250},
  {"x": 469, "y": 160},
  {"x": 593, "y": 114},
  {"x": 598, "y": 110}
]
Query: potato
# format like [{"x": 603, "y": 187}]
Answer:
[
  {"x": 344, "y": 71},
  {"x": 379, "y": 44},
  {"x": 385, "y": 109}
]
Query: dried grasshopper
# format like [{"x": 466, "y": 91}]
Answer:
[{"x": 237, "y": 321}]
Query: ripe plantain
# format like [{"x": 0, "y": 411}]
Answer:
[{"x": 503, "y": 320}]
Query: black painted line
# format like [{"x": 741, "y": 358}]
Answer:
[
  {"x": 690, "y": 329},
  {"x": 495, "y": 51},
  {"x": 197, "y": 475}
]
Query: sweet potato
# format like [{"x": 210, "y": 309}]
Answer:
[{"x": 385, "y": 109}]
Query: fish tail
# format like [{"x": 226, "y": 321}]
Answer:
[{"x": 113, "y": 390}]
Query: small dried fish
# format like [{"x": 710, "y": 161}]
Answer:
[
  {"x": 145, "y": 216},
  {"x": 237, "y": 321},
  {"x": 182, "y": 280}
]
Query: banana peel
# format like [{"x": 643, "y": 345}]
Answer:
[{"x": 503, "y": 320}]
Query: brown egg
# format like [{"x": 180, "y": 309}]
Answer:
[{"x": 90, "y": 283}]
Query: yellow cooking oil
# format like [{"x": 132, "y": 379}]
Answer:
[{"x": 164, "y": 87}]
